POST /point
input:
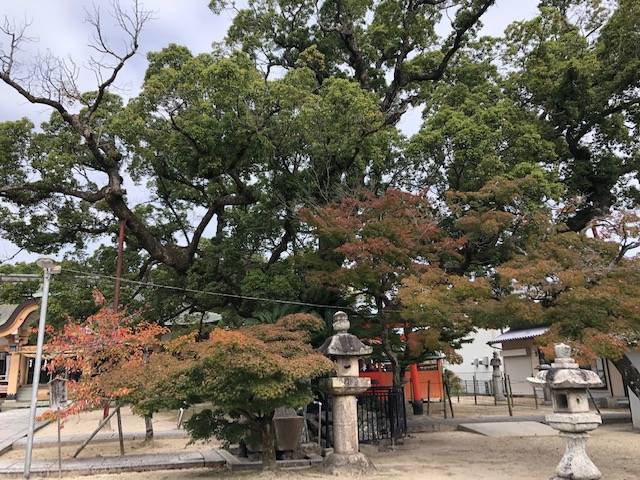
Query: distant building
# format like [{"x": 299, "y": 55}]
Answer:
[
  {"x": 16, "y": 355},
  {"x": 521, "y": 359},
  {"x": 475, "y": 360}
]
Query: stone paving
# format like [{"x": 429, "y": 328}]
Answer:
[
  {"x": 425, "y": 424},
  {"x": 14, "y": 425},
  {"x": 103, "y": 437},
  {"x": 128, "y": 463},
  {"x": 509, "y": 429}
]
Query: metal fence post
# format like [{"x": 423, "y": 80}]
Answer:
[
  {"x": 509, "y": 395},
  {"x": 475, "y": 391}
]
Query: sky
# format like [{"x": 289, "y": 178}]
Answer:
[{"x": 58, "y": 26}]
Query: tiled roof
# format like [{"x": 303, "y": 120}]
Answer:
[{"x": 519, "y": 335}]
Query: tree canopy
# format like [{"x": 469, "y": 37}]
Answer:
[{"x": 527, "y": 152}]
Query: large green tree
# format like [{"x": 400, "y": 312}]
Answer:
[
  {"x": 227, "y": 157},
  {"x": 576, "y": 67}
]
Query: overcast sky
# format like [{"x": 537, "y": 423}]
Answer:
[{"x": 59, "y": 26}]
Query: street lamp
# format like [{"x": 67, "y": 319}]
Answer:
[{"x": 49, "y": 268}]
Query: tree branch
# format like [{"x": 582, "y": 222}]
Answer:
[
  {"x": 402, "y": 78},
  {"x": 132, "y": 24}
]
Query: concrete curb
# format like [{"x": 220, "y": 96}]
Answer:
[
  {"x": 7, "y": 445},
  {"x": 105, "y": 437},
  {"x": 129, "y": 463},
  {"x": 215, "y": 459}
]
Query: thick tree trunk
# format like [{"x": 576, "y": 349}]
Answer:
[
  {"x": 393, "y": 358},
  {"x": 598, "y": 189},
  {"x": 386, "y": 345},
  {"x": 148, "y": 427},
  {"x": 268, "y": 442}
]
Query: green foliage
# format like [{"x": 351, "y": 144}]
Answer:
[
  {"x": 523, "y": 139},
  {"x": 580, "y": 78},
  {"x": 246, "y": 374}
]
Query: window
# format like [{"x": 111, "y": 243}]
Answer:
[{"x": 4, "y": 366}]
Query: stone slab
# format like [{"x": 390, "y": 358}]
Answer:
[
  {"x": 128, "y": 463},
  {"x": 213, "y": 459},
  {"x": 509, "y": 429},
  {"x": 425, "y": 424},
  {"x": 13, "y": 427},
  {"x": 102, "y": 437}
]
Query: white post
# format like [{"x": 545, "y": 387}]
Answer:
[{"x": 48, "y": 267}]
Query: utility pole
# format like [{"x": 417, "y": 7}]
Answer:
[
  {"x": 116, "y": 296},
  {"x": 119, "y": 264},
  {"x": 49, "y": 268}
]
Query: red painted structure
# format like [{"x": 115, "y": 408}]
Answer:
[{"x": 420, "y": 380}]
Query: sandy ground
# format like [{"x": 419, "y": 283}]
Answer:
[
  {"x": 111, "y": 449},
  {"x": 461, "y": 456},
  {"x": 465, "y": 406},
  {"x": 87, "y": 422}
]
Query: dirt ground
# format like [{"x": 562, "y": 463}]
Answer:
[
  {"x": 460, "y": 456},
  {"x": 464, "y": 406},
  {"x": 111, "y": 449},
  {"x": 87, "y": 422}
]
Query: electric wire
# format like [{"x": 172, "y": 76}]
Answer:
[{"x": 205, "y": 292}]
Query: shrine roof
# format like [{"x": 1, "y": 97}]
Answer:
[
  {"x": 12, "y": 316},
  {"x": 523, "y": 334},
  {"x": 6, "y": 313}
]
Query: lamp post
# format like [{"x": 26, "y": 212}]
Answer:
[{"x": 49, "y": 268}]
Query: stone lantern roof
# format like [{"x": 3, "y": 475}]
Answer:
[
  {"x": 343, "y": 344},
  {"x": 565, "y": 373}
]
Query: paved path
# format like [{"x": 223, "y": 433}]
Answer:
[
  {"x": 509, "y": 429},
  {"x": 128, "y": 463},
  {"x": 45, "y": 441},
  {"x": 424, "y": 423},
  {"x": 217, "y": 459},
  {"x": 14, "y": 425}
]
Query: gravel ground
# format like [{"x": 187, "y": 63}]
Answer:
[{"x": 460, "y": 455}]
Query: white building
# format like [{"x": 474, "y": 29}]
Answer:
[{"x": 477, "y": 349}]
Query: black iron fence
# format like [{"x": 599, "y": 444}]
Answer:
[{"x": 381, "y": 416}]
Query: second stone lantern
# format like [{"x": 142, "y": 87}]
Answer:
[
  {"x": 571, "y": 415},
  {"x": 345, "y": 350}
]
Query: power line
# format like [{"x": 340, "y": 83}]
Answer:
[{"x": 205, "y": 292}]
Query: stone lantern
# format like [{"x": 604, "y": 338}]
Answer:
[
  {"x": 496, "y": 378},
  {"x": 345, "y": 350},
  {"x": 568, "y": 384}
]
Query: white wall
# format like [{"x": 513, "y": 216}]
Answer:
[{"x": 478, "y": 348}]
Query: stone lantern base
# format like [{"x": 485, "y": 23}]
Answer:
[
  {"x": 348, "y": 464},
  {"x": 575, "y": 464},
  {"x": 573, "y": 427}
]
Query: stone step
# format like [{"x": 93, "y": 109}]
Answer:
[{"x": 14, "y": 404}]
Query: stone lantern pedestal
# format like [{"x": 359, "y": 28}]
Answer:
[
  {"x": 345, "y": 350},
  {"x": 571, "y": 415}
]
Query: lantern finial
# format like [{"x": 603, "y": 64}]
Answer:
[{"x": 341, "y": 322}]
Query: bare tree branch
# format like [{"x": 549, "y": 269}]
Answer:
[{"x": 132, "y": 24}]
